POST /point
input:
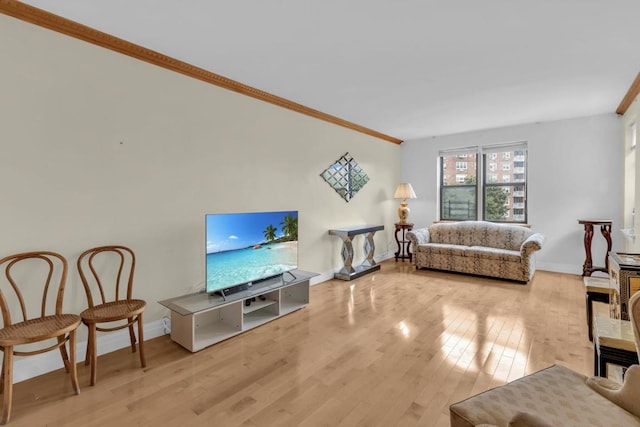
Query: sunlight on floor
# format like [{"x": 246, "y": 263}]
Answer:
[
  {"x": 491, "y": 345},
  {"x": 404, "y": 329},
  {"x": 351, "y": 304}
]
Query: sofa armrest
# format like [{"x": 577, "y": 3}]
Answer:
[
  {"x": 419, "y": 236},
  {"x": 532, "y": 244},
  {"x": 624, "y": 395}
]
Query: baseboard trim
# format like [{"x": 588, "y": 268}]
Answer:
[
  {"x": 322, "y": 277},
  {"x": 559, "y": 268},
  {"x": 32, "y": 366}
]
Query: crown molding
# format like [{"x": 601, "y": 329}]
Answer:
[
  {"x": 632, "y": 93},
  {"x": 73, "y": 29}
]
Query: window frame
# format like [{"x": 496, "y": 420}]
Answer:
[
  {"x": 484, "y": 156},
  {"x": 470, "y": 155}
]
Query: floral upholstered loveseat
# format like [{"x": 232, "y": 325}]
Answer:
[{"x": 477, "y": 247}]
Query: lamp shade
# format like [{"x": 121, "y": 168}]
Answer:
[{"x": 404, "y": 191}]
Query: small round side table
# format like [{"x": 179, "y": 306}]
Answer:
[{"x": 404, "y": 245}]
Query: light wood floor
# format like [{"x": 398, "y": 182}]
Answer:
[{"x": 393, "y": 348}]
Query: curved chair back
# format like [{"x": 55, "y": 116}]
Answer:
[
  {"x": 22, "y": 273},
  {"x": 38, "y": 316},
  {"x": 100, "y": 275},
  {"x": 106, "y": 269},
  {"x": 634, "y": 317}
]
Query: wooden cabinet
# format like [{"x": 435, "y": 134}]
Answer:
[
  {"x": 624, "y": 277},
  {"x": 200, "y": 320}
]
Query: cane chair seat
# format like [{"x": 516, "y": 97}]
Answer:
[
  {"x": 113, "y": 311},
  {"x": 107, "y": 274},
  {"x": 40, "y": 329}
]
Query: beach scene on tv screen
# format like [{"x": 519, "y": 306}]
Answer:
[{"x": 245, "y": 247}]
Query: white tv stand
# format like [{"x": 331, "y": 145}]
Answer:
[{"x": 200, "y": 320}]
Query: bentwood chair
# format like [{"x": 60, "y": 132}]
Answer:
[
  {"x": 28, "y": 277},
  {"x": 107, "y": 274}
]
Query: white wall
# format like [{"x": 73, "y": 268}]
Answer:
[
  {"x": 99, "y": 148},
  {"x": 575, "y": 172}
]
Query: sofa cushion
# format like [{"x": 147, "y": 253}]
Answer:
[
  {"x": 471, "y": 251},
  {"x": 494, "y": 253},
  {"x": 479, "y": 233},
  {"x": 556, "y": 395},
  {"x": 443, "y": 248}
]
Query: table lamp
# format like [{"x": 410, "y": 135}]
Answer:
[{"x": 404, "y": 192}]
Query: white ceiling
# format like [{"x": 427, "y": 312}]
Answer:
[{"x": 406, "y": 68}]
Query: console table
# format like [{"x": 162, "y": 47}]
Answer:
[
  {"x": 404, "y": 245},
  {"x": 348, "y": 271},
  {"x": 605, "y": 229},
  {"x": 613, "y": 343},
  {"x": 200, "y": 320}
]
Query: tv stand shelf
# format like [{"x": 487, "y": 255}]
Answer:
[
  {"x": 257, "y": 305},
  {"x": 200, "y": 320}
]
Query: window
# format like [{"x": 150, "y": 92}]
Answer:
[
  {"x": 458, "y": 192},
  {"x": 461, "y": 166},
  {"x": 477, "y": 192}
]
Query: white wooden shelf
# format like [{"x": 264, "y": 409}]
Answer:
[
  {"x": 200, "y": 320},
  {"x": 257, "y": 305}
]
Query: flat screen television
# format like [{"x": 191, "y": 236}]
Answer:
[{"x": 245, "y": 248}]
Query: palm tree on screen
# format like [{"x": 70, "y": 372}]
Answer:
[
  {"x": 270, "y": 233},
  {"x": 290, "y": 227}
]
